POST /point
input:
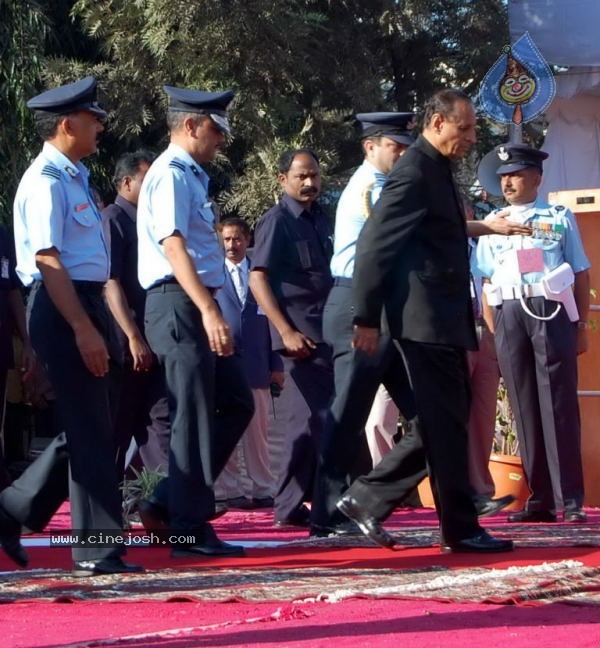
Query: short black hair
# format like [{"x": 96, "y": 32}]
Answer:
[
  {"x": 176, "y": 118},
  {"x": 443, "y": 102},
  {"x": 232, "y": 221},
  {"x": 129, "y": 164},
  {"x": 46, "y": 124},
  {"x": 286, "y": 159}
]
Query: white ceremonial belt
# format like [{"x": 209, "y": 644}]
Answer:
[{"x": 522, "y": 290}]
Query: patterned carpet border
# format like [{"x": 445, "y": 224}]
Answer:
[{"x": 565, "y": 581}]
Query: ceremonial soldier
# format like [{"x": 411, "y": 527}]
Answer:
[
  {"x": 540, "y": 325},
  {"x": 62, "y": 247}
]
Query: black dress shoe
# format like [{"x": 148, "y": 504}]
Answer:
[
  {"x": 487, "y": 506},
  {"x": 532, "y": 516},
  {"x": 298, "y": 518},
  {"x": 208, "y": 546},
  {"x": 348, "y": 528},
  {"x": 242, "y": 503},
  {"x": 368, "y": 525},
  {"x": 154, "y": 516},
  {"x": 10, "y": 539},
  {"x": 104, "y": 567},
  {"x": 483, "y": 543},
  {"x": 263, "y": 502},
  {"x": 575, "y": 515}
]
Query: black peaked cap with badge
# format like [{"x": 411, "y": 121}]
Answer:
[
  {"x": 66, "y": 99},
  {"x": 396, "y": 126},
  {"x": 213, "y": 104},
  {"x": 507, "y": 158}
]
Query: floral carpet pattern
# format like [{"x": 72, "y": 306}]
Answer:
[{"x": 563, "y": 580}]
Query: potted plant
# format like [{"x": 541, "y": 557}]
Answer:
[{"x": 506, "y": 467}]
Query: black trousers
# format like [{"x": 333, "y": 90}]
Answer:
[
  {"x": 142, "y": 413},
  {"x": 300, "y": 415},
  {"x": 36, "y": 495},
  {"x": 210, "y": 405},
  {"x": 538, "y": 361},
  {"x": 440, "y": 381},
  {"x": 357, "y": 378},
  {"x": 82, "y": 403}
]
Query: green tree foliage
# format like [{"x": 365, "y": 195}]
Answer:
[
  {"x": 23, "y": 29},
  {"x": 300, "y": 69}
]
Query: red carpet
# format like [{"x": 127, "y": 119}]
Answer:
[{"x": 248, "y": 601}]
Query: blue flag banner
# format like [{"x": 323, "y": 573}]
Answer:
[{"x": 519, "y": 86}]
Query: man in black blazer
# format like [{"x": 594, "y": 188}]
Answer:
[{"x": 412, "y": 265}]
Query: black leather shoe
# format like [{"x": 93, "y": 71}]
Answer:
[
  {"x": 575, "y": 515},
  {"x": 209, "y": 546},
  {"x": 483, "y": 543},
  {"x": 487, "y": 506},
  {"x": 532, "y": 516},
  {"x": 10, "y": 539},
  {"x": 368, "y": 525},
  {"x": 263, "y": 502},
  {"x": 347, "y": 528},
  {"x": 104, "y": 567},
  {"x": 153, "y": 515},
  {"x": 298, "y": 518},
  {"x": 242, "y": 503}
]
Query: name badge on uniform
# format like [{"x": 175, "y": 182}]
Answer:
[
  {"x": 4, "y": 263},
  {"x": 530, "y": 260}
]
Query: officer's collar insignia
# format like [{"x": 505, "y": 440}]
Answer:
[
  {"x": 194, "y": 170},
  {"x": 503, "y": 154},
  {"x": 71, "y": 171}
]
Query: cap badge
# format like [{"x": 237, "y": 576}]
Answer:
[{"x": 503, "y": 154}]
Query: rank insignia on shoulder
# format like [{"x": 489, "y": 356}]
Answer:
[
  {"x": 176, "y": 164},
  {"x": 51, "y": 172}
]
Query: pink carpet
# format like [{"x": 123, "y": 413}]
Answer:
[{"x": 180, "y": 622}]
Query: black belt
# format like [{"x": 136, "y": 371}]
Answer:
[
  {"x": 171, "y": 284},
  {"x": 81, "y": 286},
  {"x": 342, "y": 281}
]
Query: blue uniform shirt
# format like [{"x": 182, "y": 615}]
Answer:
[
  {"x": 174, "y": 197},
  {"x": 555, "y": 232},
  {"x": 354, "y": 207},
  {"x": 54, "y": 208}
]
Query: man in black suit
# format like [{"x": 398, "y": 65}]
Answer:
[{"x": 412, "y": 263}]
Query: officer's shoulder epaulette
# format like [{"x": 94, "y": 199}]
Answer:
[
  {"x": 51, "y": 171},
  {"x": 176, "y": 164}
]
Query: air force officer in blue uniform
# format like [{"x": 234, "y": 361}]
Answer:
[
  {"x": 62, "y": 249},
  {"x": 181, "y": 264}
]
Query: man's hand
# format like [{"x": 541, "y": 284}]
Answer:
[
  {"x": 365, "y": 339},
  {"x": 297, "y": 344},
  {"x": 500, "y": 224},
  {"x": 141, "y": 354},
  {"x": 28, "y": 363},
  {"x": 218, "y": 333},
  {"x": 278, "y": 377},
  {"x": 93, "y": 349}
]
